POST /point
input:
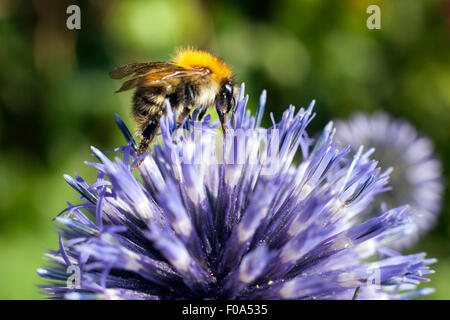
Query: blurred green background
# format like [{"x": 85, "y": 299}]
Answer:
[{"x": 56, "y": 99}]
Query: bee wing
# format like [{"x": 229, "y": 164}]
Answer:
[
  {"x": 159, "y": 75},
  {"x": 136, "y": 68},
  {"x": 153, "y": 78}
]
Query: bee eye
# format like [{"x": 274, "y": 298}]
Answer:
[{"x": 229, "y": 88}]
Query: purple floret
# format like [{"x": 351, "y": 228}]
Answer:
[{"x": 208, "y": 217}]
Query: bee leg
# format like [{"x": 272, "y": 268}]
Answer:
[
  {"x": 232, "y": 108},
  {"x": 201, "y": 114},
  {"x": 146, "y": 139},
  {"x": 223, "y": 122},
  {"x": 185, "y": 112},
  {"x": 222, "y": 118},
  {"x": 185, "y": 107},
  {"x": 355, "y": 294}
]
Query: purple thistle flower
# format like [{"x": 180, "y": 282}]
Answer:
[
  {"x": 212, "y": 218},
  {"x": 416, "y": 175}
]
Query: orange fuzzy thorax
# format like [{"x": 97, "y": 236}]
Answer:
[{"x": 193, "y": 58}]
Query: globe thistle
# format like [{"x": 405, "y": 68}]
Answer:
[
  {"x": 416, "y": 173},
  {"x": 207, "y": 217}
]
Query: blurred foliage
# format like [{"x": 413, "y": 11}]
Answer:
[{"x": 56, "y": 98}]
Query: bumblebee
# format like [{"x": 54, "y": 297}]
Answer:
[{"x": 193, "y": 78}]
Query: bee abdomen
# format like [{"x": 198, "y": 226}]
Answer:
[{"x": 147, "y": 104}]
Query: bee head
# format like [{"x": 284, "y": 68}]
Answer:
[{"x": 225, "y": 99}]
